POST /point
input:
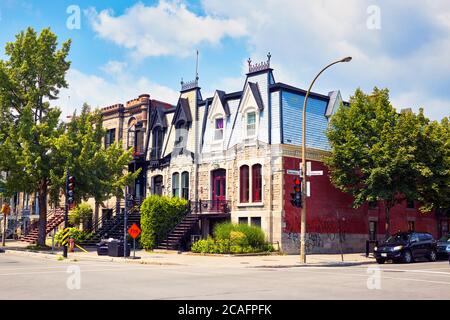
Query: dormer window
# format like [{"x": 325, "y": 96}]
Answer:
[
  {"x": 158, "y": 139},
  {"x": 251, "y": 124},
  {"x": 218, "y": 132}
]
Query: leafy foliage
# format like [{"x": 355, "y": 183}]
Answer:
[
  {"x": 380, "y": 155},
  {"x": 81, "y": 214},
  {"x": 233, "y": 238},
  {"x": 159, "y": 215},
  {"x": 74, "y": 233},
  {"x": 36, "y": 148}
]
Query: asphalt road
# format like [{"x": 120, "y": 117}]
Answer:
[{"x": 37, "y": 278}]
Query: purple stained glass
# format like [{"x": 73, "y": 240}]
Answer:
[{"x": 219, "y": 123}]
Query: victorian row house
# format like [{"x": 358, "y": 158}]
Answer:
[{"x": 235, "y": 155}]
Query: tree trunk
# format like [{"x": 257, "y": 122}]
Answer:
[{"x": 42, "y": 202}]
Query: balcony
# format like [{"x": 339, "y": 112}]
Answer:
[
  {"x": 138, "y": 152},
  {"x": 211, "y": 207}
]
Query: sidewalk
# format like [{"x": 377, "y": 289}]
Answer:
[{"x": 189, "y": 259}]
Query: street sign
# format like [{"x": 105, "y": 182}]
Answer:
[
  {"x": 309, "y": 171},
  {"x": 6, "y": 209},
  {"x": 65, "y": 237},
  {"x": 134, "y": 231},
  {"x": 293, "y": 172}
]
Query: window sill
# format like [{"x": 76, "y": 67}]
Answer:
[{"x": 250, "y": 204}]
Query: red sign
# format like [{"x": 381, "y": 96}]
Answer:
[{"x": 134, "y": 231}]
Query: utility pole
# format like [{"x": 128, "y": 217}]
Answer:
[
  {"x": 66, "y": 211},
  {"x": 303, "y": 169},
  {"x": 125, "y": 223}
]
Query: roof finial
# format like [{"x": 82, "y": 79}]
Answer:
[
  {"x": 249, "y": 61},
  {"x": 196, "y": 69},
  {"x": 268, "y": 57},
  {"x": 182, "y": 82}
]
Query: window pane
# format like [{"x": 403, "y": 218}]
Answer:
[
  {"x": 244, "y": 185},
  {"x": 219, "y": 123},
  {"x": 251, "y": 123},
  {"x": 243, "y": 220},
  {"x": 176, "y": 184},
  {"x": 185, "y": 185},
  {"x": 256, "y": 183},
  {"x": 256, "y": 221}
]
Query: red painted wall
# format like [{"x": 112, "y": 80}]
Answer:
[{"x": 328, "y": 209}]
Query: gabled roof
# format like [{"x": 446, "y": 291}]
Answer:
[
  {"x": 161, "y": 104},
  {"x": 223, "y": 101},
  {"x": 158, "y": 118},
  {"x": 256, "y": 94},
  {"x": 183, "y": 112}
]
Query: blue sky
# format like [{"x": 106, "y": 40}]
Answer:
[{"x": 125, "y": 48}]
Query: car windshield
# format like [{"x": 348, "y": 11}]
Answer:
[
  {"x": 445, "y": 238},
  {"x": 399, "y": 237}
]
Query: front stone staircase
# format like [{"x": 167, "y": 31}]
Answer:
[
  {"x": 54, "y": 219},
  {"x": 178, "y": 235}
]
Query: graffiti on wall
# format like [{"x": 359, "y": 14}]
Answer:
[{"x": 325, "y": 231}]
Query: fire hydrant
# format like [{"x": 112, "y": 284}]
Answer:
[{"x": 71, "y": 245}]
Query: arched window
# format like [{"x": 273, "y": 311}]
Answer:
[
  {"x": 251, "y": 124},
  {"x": 157, "y": 185},
  {"x": 185, "y": 185},
  {"x": 157, "y": 143},
  {"x": 176, "y": 184},
  {"x": 244, "y": 184},
  {"x": 131, "y": 133},
  {"x": 256, "y": 183}
]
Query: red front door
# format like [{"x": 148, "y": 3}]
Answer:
[{"x": 219, "y": 186}]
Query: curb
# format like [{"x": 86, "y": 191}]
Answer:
[
  {"x": 318, "y": 264},
  {"x": 52, "y": 256}
]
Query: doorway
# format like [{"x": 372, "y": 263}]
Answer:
[{"x": 218, "y": 187}]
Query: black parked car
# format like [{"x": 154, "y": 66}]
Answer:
[
  {"x": 407, "y": 247},
  {"x": 442, "y": 246}
]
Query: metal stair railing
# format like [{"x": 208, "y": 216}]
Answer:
[{"x": 189, "y": 210}]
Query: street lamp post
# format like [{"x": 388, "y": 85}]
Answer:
[{"x": 304, "y": 188}]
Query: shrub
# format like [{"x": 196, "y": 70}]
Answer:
[
  {"x": 74, "y": 233},
  {"x": 240, "y": 234},
  {"x": 234, "y": 238},
  {"x": 159, "y": 215},
  {"x": 81, "y": 214}
]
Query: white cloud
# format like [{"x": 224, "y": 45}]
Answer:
[
  {"x": 114, "y": 68},
  {"x": 168, "y": 28},
  {"x": 101, "y": 92},
  {"x": 408, "y": 54}
]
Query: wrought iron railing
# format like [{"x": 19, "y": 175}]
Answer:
[{"x": 211, "y": 206}]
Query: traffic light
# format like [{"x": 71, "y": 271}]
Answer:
[
  {"x": 71, "y": 190},
  {"x": 297, "y": 194}
]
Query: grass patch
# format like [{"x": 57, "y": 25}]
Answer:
[{"x": 38, "y": 248}]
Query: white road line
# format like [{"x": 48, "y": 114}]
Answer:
[{"x": 365, "y": 276}]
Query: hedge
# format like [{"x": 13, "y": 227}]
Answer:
[
  {"x": 159, "y": 215},
  {"x": 233, "y": 238}
]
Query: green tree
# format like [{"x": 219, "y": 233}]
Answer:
[
  {"x": 373, "y": 152},
  {"x": 36, "y": 148},
  {"x": 99, "y": 172},
  {"x": 32, "y": 75},
  {"x": 433, "y": 163}
]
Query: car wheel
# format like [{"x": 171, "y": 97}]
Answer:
[
  {"x": 433, "y": 256},
  {"x": 381, "y": 261},
  {"x": 407, "y": 257}
]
